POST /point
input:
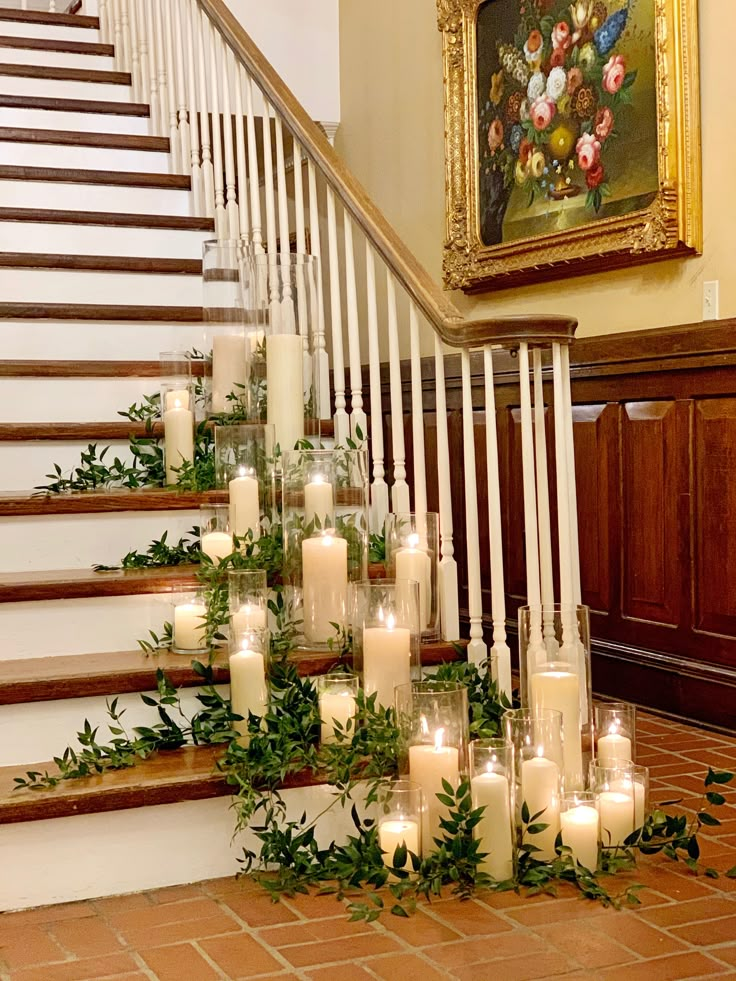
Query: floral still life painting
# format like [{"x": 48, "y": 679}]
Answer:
[{"x": 568, "y": 123}]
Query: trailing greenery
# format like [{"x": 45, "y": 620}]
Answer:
[{"x": 159, "y": 553}]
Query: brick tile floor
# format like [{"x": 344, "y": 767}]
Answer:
[{"x": 225, "y": 930}]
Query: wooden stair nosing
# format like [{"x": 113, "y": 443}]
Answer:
[
  {"x": 103, "y": 141},
  {"x": 51, "y": 19},
  {"x": 35, "y": 503},
  {"x": 57, "y": 44},
  {"x": 111, "y": 178},
  {"x": 48, "y": 104},
  {"x": 26, "y": 432},
  {"x": 52, "y": 216},
  {"x": 92, "y": 75},
  {"x": 100, "y": 263},
  {"x": 62, "y": 584},
  {"x": 88, "y": 369},
  {"x": 103, "y": 312}
]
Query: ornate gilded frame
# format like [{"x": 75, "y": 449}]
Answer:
[{"x": 670, "y": 226}]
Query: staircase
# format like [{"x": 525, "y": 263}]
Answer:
[{"x": 126, "y": 141}]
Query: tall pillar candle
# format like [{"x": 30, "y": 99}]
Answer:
[
  {"x": 319, "y": 503},
  {"x": 580, "y": 829},
  {"x": 491, "y": 790},
  {"x": 617, "y": 816},
  {"x": 218, "y": 545},
  {"x": 285, "y": 398},
  {"x": 540, "y": 790},
  {"x": 248, "y": 690},
  {"x": 429, "y": 766},
  {"x": 245, "y": 508},
  {"x": 228, "y": 370},
  {"x": 413, "y": 563},
  {"x": 324, "y": 586},
  {"x": 178, "y": 437},
  {"x": 386, "y": 660},
  {"x": 177, "y": 398},
  {"x": 559, "y": 689}
]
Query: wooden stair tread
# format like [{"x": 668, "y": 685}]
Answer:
[
  {"x": 57, "y": 44},
  {"x": 22, "y": 587},
  {"x": 93, "y": 75},
  {"x": 25, "y": 432},
  {"x": 113, "y": 178},
  {"x": 43, "y": 679},
  {"x": 63, "y": 137},
  {"x": 8, "y": 101},
  {"x": 55, "y": 20},
  {"x": 15, "y": 504},
  {"x": 100, "y": 263},
  {"x": 53, "y": 216},
  {"x": 81, "y": 369},
  {"x": 94, "y": 311}
]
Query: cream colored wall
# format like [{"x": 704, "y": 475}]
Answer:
[{"x": 391, "y": 135}]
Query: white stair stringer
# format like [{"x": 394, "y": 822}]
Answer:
[
  {"x": 36, "y": 154},
  {"x": 19, "y": 285},
  {"x": 94, "y": 197},
  {"x": 78, "y": 122},
  {"x": 90, "y": 340}
]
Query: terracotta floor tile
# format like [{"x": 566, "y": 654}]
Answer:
[
  {"x": 677, "y": 968},
  {"x": 725, "y": 954},
  {"x": 88, "y": 937},
  {"x": 466, "y": 952},
  {"x": 407, "y": 967},
  {"x": 314, "y": 905},
  {"x": 568, "y": 909},
  {"x": 171, "y": 933},
  {"x": 419, "y": 930},
  {"x": 585, "y": 944},
  {"x": 46, "y": 914},
  {"x": 89, "y": 969},
  {"x": 121, "y": 904},
  {"x": 305, "y": 932},
  {"x": 350, "y": 949},
  {"x": 258, "y": 910},
  {"x": 470, "y": 917},
  {"x": 194, "y": 909},
  {"x": 177, "y": 963},
  {"x": 342, "y": 972},
  {"x": 693, "y": 911},
  {"x": 240, "y": 956},
  {"x": 518, "y": 968},
  {"x": 24, "y": 946},
  {"x": 175, "y": 894},
  {"x": 710, "y": 932},
  {"x": 638, "y": 936},
  {"x": 674, "y": 881}
]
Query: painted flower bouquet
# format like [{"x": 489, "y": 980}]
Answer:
[{"x": 555, "y": 99}]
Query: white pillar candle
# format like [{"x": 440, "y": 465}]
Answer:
[
  {"x": 613, "y": 748},
  {"x": 540, "y": 789},
  {"x": 637, "y": 790},
  {"x": 386, "y": 660},
  {"x": 580, "y": 828},
  {"x": 392, "y": 833},
  {"x": 617, "y": 816},
  {"x": 228, "y": 370},
  {"x": 319, "y": 503},
  {"x": 429, "y": 766},
  {"x": 560, "y": 690},
  {"x": 248, "y": 690},
  {"x": 178, "y": 438},
  {"x": 413, "y": 563},
  {"x": 189, "y": 625},
  {"x": 494, "y": 828},
  {"x": 245, "y": 508},
  {"x": 177, "y": 398},
  {"x": 250, "y": 616},
  {"x": 324, "y": 586},
  {"x": 217, "y": 544},
  {"x": 336, "y": 706},
  {"x": 285, "y": 400}
]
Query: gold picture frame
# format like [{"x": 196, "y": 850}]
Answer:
[{"x": 664, "y": 222}]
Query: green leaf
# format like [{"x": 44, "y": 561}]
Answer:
[
  {"x": 693, "y": 848},
  {"x": 705, "y": 818},
  {"x": 723, "y": 776},
  {"x": 714, "y": 798}
]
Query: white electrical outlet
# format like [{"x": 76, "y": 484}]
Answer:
[{"x": 710, "y": 300}]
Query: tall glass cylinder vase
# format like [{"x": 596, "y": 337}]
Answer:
[
  {"x": 615, "y": 786},
  {"x": 433, "y": 723},
  {"x": 216, "y": 537},
  {"x": 554, "y": 656},
  {"x": 248, "y": 602},
  {"x": 325, "y": 529},
  {"x": 248, "y": 684},
  {"x": 492, "y": 787},
  {"x": 244, "y": 467},
  {"x": 386, "y": 651},
  {"x": 412, "y": 550},
  {"x": 401, "y": 808},
  {"x": 177, "y": 412},
  {"x": 615, "y": 732},
  {"x": 226, "y": 347}
]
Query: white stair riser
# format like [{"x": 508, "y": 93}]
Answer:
[
  {"x": 24, "y": 465},
  {"x": 55, "y": 59},
  {"x": 90, "y": 855},
  {"x": 61, "y": 239},
  {"x": 38, "y": 731},
  {"x": 82, "y": 286},
  {"x": 79, "y": 541},
  {"x": 49, "y": 32},
  {"x": 84, "y": 158},
  {"x": 66, "y": 340},
  {"x": 94, "y": 197},
  {"x": 70, "y": 399},
  {"x": 82, "y": 626},
  {"x": 52, "y": 88},
  {"x": 76, "y": 122}
]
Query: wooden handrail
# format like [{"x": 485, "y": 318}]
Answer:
[{"x": 444, "y": 317}]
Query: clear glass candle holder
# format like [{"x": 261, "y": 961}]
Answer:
[
  {"x": 175, "y": 370},
  {"x": 629, "y": 777},
  {"x": 386, "y": 648},
  {"x": 227, "y": 350},
  {"x": 492, "y": 787},
  {"x": 249, "y": 694},
  {"x": 616, "y": 789},
  {"x": 310, "y": 482},
  {"x": 401, "y": 807},
  {"x": 433, "y": 724},
  {"x": 615, "y": 732},
  {"x": 580, "y": 827},
  {"x": 177, "y": 413},
  {"x": 554, "y": 657},
  {"x": 337, "y": 694},
  {"x": 538, "y": 765},
  {"x": 216, "y": 539},
  {"x": 248, "y": 602},
  {"x": 412, "y": 550},
  {"x": 188, "y": 622},
  {"x": 244, "y": 467}
]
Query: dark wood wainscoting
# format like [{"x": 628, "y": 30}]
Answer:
[{"x": 655, "y": 457}]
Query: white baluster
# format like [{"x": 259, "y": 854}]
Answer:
[
  {"x": 342, "y": 423},
  {"x": 301, "y": 248},
  {"x": 52, "y": 6},
  {"x": 117, "y": 33},
  {"x": 536, "y": 647},
  {"x": 379, "y": 488},
  {"x": 241, "y": 167},
  {"x": 358, "y": 420},
  {"x": 417, "y": 414},
  {"x": 322, "y": 363},
  {"x": 168, "y": 33},
  {"x": 183, "y": 127},
  {"x": 477, "y": 650},
  {"x": 125, "y": 33},
  {"x": 208, "y": 174},
  {"x": 545, "y": 531},
  {"x": 448, "y": 582},
  {"x": 498, "y": 599},
  {"x": 301, "y": 235},
  {"x": 200, "y": 202},
  {"x": 254, "y": 180},
  {"x": 221, "y": 222},
  {"x": 271, "y": 236},
  {"x": 400, "y": 490},
  {"x": 222, "y": 68},
  {"x": 152, "y": 69},
  {"x": 571, "y": 478},
  {"x": 161, "y": 74},
  {"x": 103, "y": 13},
  {"x": 284, "y": 247},
  {"x": 135, "y": 58}
]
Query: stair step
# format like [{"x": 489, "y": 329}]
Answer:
[
  {"x": 66, "y": 584},
  {"x": 26, "y": 432},
  {"x": 96, "y": 263},
  {"x": 60, "y": 285},
  {"x": 28, "y": 112},
  {"x": 65, "y": 175},
  {"x": 91, "y": 84},
  {"x": 124, "y": 192},
  {"x": 108, "y": 141},
  {"x": 87, "y": 106},
  {"x": 92, "y": 311},
  {"x": 56, "y": 32},
  {"x": 57, "y": 74},
  {"x": 58, "y": 45},
  {"x": 13, "y": 504},
  {"x": 19, "y": 53},
  {"x": 54, "y": 20},
  {"x": 107, "y": 218}
]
